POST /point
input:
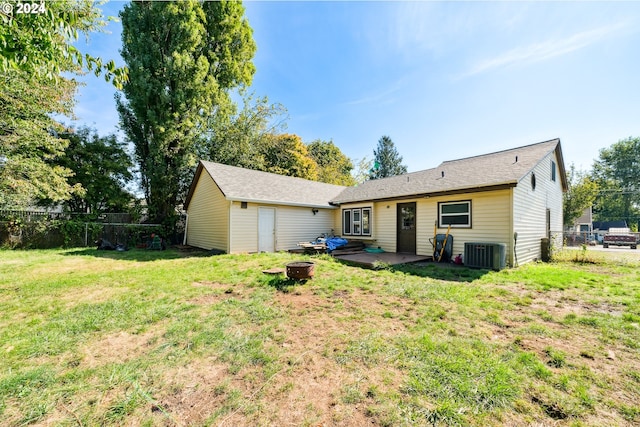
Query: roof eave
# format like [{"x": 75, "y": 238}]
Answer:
[
  {"x": 281, "y": 203},
  {"x": 477, "y": 189},
  {"x": 192, "y": 187},
  {"x": 561, "y": 167}
]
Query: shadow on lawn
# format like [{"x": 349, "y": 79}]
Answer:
[
  {"x": 451, "y": 272},
  {"x": 284, "y": 284},
  {"x": 142, "y": 254}
]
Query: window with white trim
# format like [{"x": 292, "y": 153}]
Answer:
[
  {"x": 553, "y": 171},
  {"x": 356, "y": 222},
  {"x": 454, "y": 214}
]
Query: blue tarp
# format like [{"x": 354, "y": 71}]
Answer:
[{"x": 335, "y": 242}]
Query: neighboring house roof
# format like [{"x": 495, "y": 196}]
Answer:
[
  {"x": 501, "y": 169},
  {"x": 246, "y": 185},
  {"x": 606, "y": 225}
]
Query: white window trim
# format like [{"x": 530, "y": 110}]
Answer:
[
  {"x": 344, "y": 222},
  {"x": 458, "y": 202},
  {"x": 368, "y": 233},
  {"x": 356, "y": 226}
]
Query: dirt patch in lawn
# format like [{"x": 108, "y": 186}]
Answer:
[
  {"x": 119, "y": 347},
  {"x": 311, "y": 384},
  {"x": 314, "y": 386}
]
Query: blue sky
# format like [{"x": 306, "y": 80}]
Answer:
[{"x": 444, "y": 80}]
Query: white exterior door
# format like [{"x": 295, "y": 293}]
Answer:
[{"x": 266, "y": 229}]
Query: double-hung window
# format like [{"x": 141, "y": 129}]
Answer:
[
  {"x": 454, "y": 214},
  {"x": 356, "y": 222}
]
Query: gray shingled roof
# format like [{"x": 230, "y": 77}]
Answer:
[
  {"x": 489, "y": 170},
  {"x": 255, "y": 186},
  {"x": 472, "y": 173}
]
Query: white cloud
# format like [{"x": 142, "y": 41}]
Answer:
[{"x": 546, "y": 50}]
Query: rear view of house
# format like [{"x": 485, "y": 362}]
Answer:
[{"x": 511, "y": 198}]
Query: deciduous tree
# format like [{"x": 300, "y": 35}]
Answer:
[
  {"x": 286, "y": 154},
  {"x": 34, "y": 49},
  {"x": 235, "y": 138},
  {"x": 102, "y": 166},
  {"x": 581, "y": 194},
  {"x": 616, "y": 173},
  {"x": 183, "y": 59},
  {"x": 333, "y": 166},
  {"x": 40, "y": 41},
  {"x": 27, "y": 143}
]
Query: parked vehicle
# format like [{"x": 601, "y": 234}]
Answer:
[{"x": 619, "y": 237}]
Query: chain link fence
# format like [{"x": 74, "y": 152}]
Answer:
[
  {"x": 576, "y": 239},
  {"x": 42, "y": 230}
]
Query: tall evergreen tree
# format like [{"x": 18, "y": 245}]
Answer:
[
  {"x": 386, "y": 160},
  {"x": 183, "y": 59}
]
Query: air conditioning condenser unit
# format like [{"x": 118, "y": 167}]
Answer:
[{"x": 485, "y": 255}]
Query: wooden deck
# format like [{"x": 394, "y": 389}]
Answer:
[{"x": 370, "y": 260}]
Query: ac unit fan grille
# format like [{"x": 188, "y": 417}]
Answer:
[{"x": 485, "y": 255}]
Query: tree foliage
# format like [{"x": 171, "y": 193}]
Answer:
[
  {"x": 386, "y": 160},
  {"x": 27, "y": 141},
  {"x": 101, "y": 166},
  {"x": 34, "y": 50},
  {"x": 234, "y": 138},
  {"x": 333, "y": 166},
  {"x": 581, "y": 194},
  {"x": 616, "y": 173},
  {"x": 286, "y": 154},
  {"x": 183, "y": 59},
  {"x": 41, "y": 43},
  {"x": 362, "y": 169}
]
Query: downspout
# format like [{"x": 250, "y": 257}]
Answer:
[
  {"x": 513, "y": 256},
  {"x": 229, "y": 228},
  {"x": 186, "y": 227}
]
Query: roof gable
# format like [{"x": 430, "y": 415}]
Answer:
[{"x": 248, "y": 185}]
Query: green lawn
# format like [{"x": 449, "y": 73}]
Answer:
[{"x": 169, "y": 338}]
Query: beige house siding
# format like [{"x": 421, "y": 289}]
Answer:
[
  {"x": 298, "y": 224},
  {"x": 490, "y": 220},
  {"x": 293, "y": 225},
  {"x": 244, "y": 227},
  {"x": 385, "y": 218},
  {"x": 208, "y": 216},
  {"x": 530, "y": 207}
]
